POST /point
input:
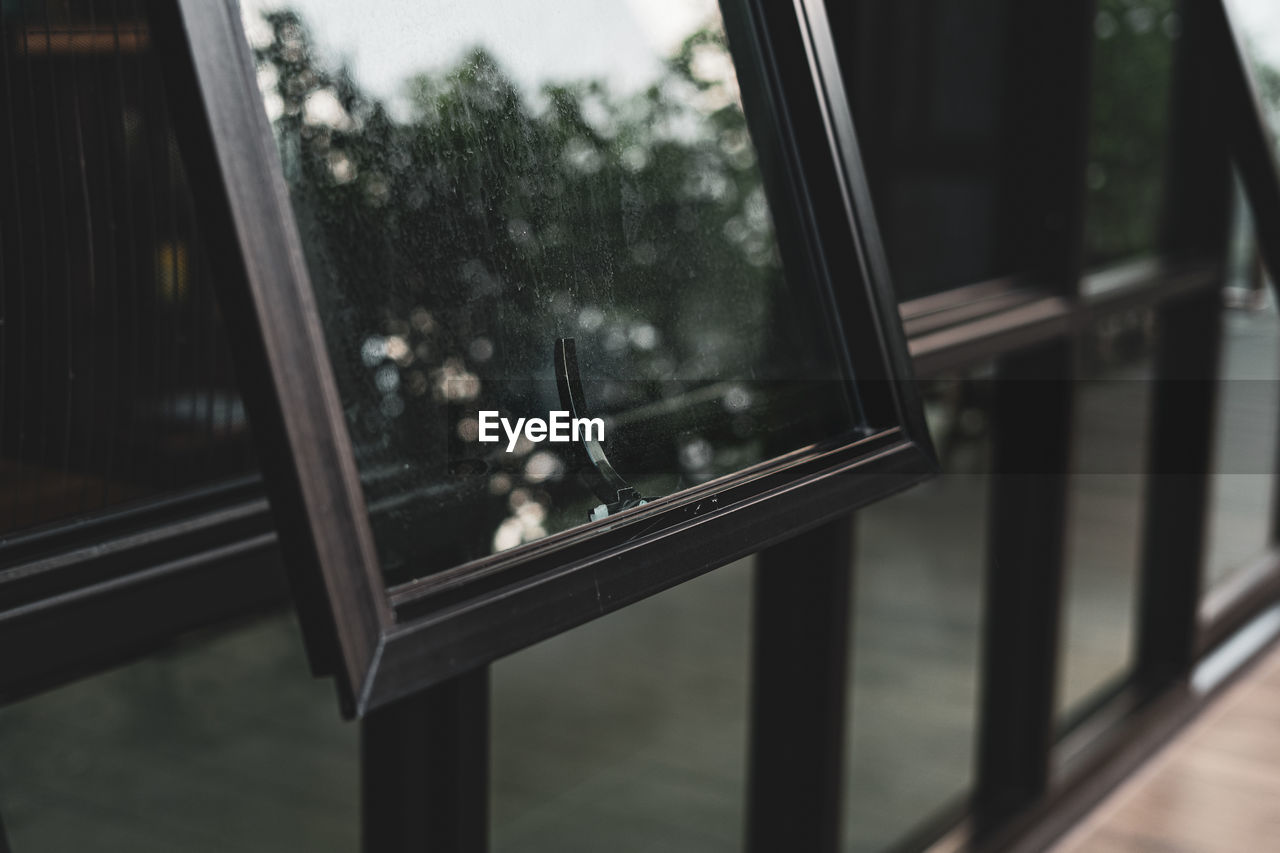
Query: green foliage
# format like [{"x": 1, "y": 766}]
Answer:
[
  {"x": 1133, "y": 55},
  {"x": 617, "y": 204},
  {"x": 454, "y": 233}
]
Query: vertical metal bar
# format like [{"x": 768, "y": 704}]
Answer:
[
  {"x": 1188, "y": 352},
  {"x": 1197, "y": 199},
  {"x": 1241, "y": 117},
  {"x": 425, "y": 770},
  {"x": 870, "y": 39},
  {"x": 227, "y": 147},
  {"x": 1183, "y": 408},
  {"x": 1047, "y": 108},
  {"x": 798, "y": 688},
  {"x": 1273, "y": 533},
  {"x": 1046, "y": 140},
  {"x": 1032, "y": 415}
]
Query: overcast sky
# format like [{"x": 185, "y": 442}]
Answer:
[
  {"x": 385, "y": 41},
  {"x": 1259, "y": 22}
]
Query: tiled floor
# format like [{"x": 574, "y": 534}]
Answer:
[{"x": 1214, "y": 789}]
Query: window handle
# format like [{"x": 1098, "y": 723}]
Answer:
[{"x": 614, "y": 492}]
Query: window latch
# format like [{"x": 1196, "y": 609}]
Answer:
[{"x": 593, "y": 465}]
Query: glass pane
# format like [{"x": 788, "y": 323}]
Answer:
[
  {"x": 1128, "y": 136},
  {"x": 1258, "y": 24},
  {"x": 115, "y": 376},
  {"x": 630, "y": 733},
  {"x": 223, "y": 743},
  {"x": 1106, "y": 499},
  {"x": 925, "y": 84},
  {"x": 1242, "y": 479},
  {"x": 474, "y": 181},
  {"x": 1240, "y": 523},
  {"x": 917, "y": 627}
]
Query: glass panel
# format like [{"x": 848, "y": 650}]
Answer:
[
  {"x": 1243, "y": 487},
  {"x": 115, "y": 378},
  {"x": 917, "y": 617},
  {"x": 474, "y": 181},
  {"x": 1258, "y": 24},
  {"x": 630, "y": 733},
  {"x": 1128, "y": 137},
  {"x": 224, "y": 743},
  {"x": 1242, "y": 482},
  {"x": 1106, "y": 499},
  {"x": 925, "y": 83}
]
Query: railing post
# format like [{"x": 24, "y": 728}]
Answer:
[
  {"x": 798, "y": 688},
  {"x": 425, "y": 766}
]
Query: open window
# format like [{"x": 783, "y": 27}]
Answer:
[{"x": 437, "y": 221}]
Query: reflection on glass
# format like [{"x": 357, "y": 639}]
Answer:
[
  {"x": 629, "y": 733},
  {"x": 1257, "y": 23},
  {"x": 926, "y": 88},
  {"x": 1107, "y": 488},
  {"x": 1128, "y": 137},
  {"x": 222, "y": 743},
  {"x": 475, "y": 181},
  {"x": 1242, "y": 479},
  {"x": 917, "y": 621},
  {"x": 115, "y": 372}
]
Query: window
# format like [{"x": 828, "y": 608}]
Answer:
[
  {"x": 500, "y": 232},
  {"x": 629, "y": 732},
  {"x": 467, "y": 200},
  {"x": 1105, "y": 515},
  {"x": 916, "y": 638},
  {"x": 169, "y": 753},
  {"x": 411, "y": 217},
  {"x": 116, "y": 383},
  {"x": 1241, "y": 527}
]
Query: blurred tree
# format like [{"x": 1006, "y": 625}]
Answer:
[
  {"x": 454, "y": 235},
  {"x": 1133, "y": 56}
]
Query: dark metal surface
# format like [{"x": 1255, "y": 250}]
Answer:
[
  {"x": 1048, "y": 73},
  {"x": 1032, "y": 416},
  {"x": 798, "y": 691},
  {"x": 76, "y": 612},
  {"x": 1187, "y": 354},
  {"x": 1047, "y": 105},
  {"x": 271, "y": 313},
  {"x": 425, "y": 768}
]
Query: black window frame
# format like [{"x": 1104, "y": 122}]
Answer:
[
  {"x": 1251, "y": 146},
  {"x": 1252, "y": 143},
  {"x": 383, "y": 644},
  {"x": 135, "y": 580}
]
